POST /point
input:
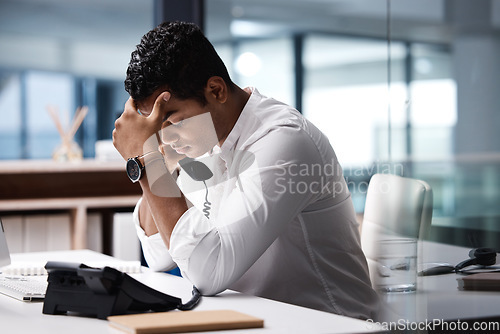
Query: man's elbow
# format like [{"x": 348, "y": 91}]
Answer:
[
  {"x": 207, "y": 284},
  {"x": 209, "y": 290}
]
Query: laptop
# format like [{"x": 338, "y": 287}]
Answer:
[{"x": 25, "y": 288}]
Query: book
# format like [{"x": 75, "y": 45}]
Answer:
[
  {"x": 183, "y": 321},
  {"x": 480, "y": 281}
]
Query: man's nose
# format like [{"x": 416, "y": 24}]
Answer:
[{"x": 169, "y": 135}]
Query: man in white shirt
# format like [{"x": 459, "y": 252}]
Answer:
[{"x": 271, "y": 217}]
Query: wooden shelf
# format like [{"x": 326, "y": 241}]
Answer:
[
  {"x": 68, "y": 203},
  {"x": 27, "y": 185},
  {"x": 50, "y": 166},
  {"x": 35, "y": 179}
]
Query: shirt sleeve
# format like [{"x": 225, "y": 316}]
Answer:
[
  {"x": 154, "y": 249},
  {"x": 266, "y": 197}
]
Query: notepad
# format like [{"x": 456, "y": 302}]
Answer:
[
  {"x": 184, "y": 321},
  {"x": 481, "y": 281}
]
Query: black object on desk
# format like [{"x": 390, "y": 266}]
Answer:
[
  {"x": 482, "y": 257},
  {"x": 102, "y": 292}
]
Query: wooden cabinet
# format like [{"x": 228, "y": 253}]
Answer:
[{"x": 29, "y": 185}]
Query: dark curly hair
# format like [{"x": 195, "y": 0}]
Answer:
[{"x": 177, "y": 56}]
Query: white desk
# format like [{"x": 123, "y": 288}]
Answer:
[
  {"x": 23, "y": 317},
  {"x": 438, "y": 297}
]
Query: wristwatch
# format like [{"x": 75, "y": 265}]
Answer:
[{"x": 134, "y": 169}]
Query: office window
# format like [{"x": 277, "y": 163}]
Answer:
[
  {"x": 432, "y": 106},
  {"x": 42, "y": 90},
  {"x": 346, "y": 95},
  {"x": 87, "y": 38},
  {"x": 266, "y": 64},
  {"x": 69, "y": 54},
  {"x": 11, "y": 125},
  {"x": 226, "y": 53}
]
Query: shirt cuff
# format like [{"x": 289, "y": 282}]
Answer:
[{"x": 155, "y": 252}]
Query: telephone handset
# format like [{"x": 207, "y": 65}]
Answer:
[{"x": 198, "y": 171}]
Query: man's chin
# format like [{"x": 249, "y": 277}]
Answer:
[{"x": 195, "y": 154}]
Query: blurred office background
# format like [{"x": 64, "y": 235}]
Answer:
[{"x": 407, "y": 86}]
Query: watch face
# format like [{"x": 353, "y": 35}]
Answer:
[{"x": 134, "y": 170}]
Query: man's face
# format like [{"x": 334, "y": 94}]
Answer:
[{"x": 187, "y": 126}]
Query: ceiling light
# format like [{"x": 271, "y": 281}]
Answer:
[{"x": 248, "y": 64}]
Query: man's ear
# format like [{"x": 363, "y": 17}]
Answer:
[{"x": 217, "y": 89}]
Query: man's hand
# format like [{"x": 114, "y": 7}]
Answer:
[
  {"x": 132, "y": 130},
  {"x": 171, "y": 157}
]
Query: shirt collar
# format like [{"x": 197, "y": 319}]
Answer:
[{"x": 242, "y": 128}]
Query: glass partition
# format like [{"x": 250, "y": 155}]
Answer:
[
  {"x": 397, "y": 85},
  {"x": 453, "y": 116}
]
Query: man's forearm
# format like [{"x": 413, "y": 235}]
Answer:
[{"x": 160, "y": 214}]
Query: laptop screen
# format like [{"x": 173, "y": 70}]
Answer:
[{"x": 4, "y": 250}]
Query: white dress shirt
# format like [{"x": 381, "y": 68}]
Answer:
[{"x": 281, "y": 224}]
